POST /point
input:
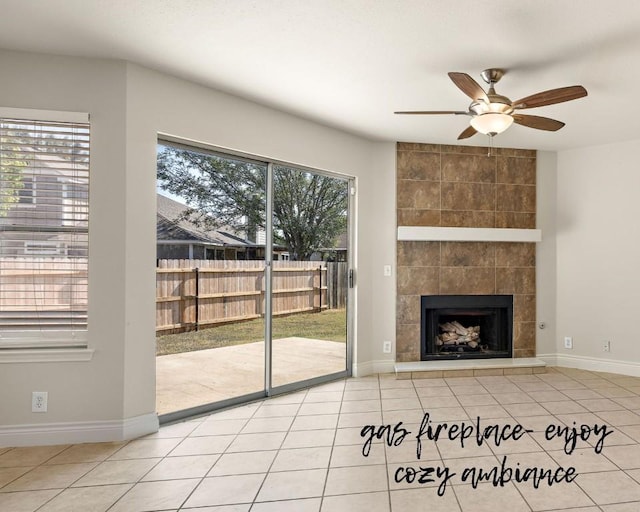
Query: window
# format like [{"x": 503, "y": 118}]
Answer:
[{"x": 44, "y": 227}]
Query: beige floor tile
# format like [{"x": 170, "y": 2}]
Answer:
[
  {"x": 429, "y": 383},
  {"x": 470, "y": 399},
  {"x": 146, "y": 448},
  {"x": 538, "y": 423},
  {"x": 288, "y": 485},
  {"x": 619, "y": 418},
  {"x": 322, "y": 421},
  {"x": 217, "y": 427},
  {"x": 205, "y": 445},
  {"x": 600, "y": 404},
  {"x": 319, "y": 408},
  {"x": 408, "y": 392},
  {"x": 173, "y": 468},
  {"x": 289, "y": 398},
  {"x": 50, "y": 477},
  {"x": 487, "y": 498},
  {"x": 488, "y": 412},
  {"x": 624, "y": 456},
  {"x": 632, "y": 431},
  {"x": 222, "y": 508},
  {"x": 564, "y": 407},
  {"x": 150, "y": 496},
  {"x": 351, "y": 435},
  {"x": 555, "y": 497},
  {"x": 435, "y": 391},
  {"x": 536, "y": 386},
  {"x": 367, "y": 502},
  {"x": 550, "y": 396},
  {"x": 117, "y": 472},
  {"x": 336, "y": 385},
  {"x": 257, "y": 442},
  {"x": 303, "y": 505},
  {"x": 240, "y": 412},
  {"x": 351, "y": 455},
  {"x": 447, "y": 414},
  {"x": 360, "y": 384},
  {"x": 585, "y": 460},
  {"x": 394, "y": 404},
  {"x": 628, "y": 402},
  {"x": 276, "y": 410},
  {"x": 406, "y": 416},
  {"x": 89, "y": 452},
  {"x": 518, "y": 397},
  {"x": 609, "y": 487},
  {"x": 363, "y": 394},
  {"x": 472, "y": 390},
  {"x": 302, "y": 458},
  {"x": 391, "y": 382},
  {"x": 620, "y": 507},
  {"x": 526, "y": 443},
  {"x": 309, "y": 438},
  {"x": 360, "y": 419},
  {"x": 243, "y": 463},
  {"x": 361, "y": 406},
  {"x": 225, "y": 490},
  {"x": 29, "y": 456},
  {"x": 453, "y": 449},
  {"x": 523, "y": 410},
  {"x": 615, "y": 392},
  {"x": 617, "y": 437},
  {"x": 356, "y": 479},
  {"x": 25, "y": 501},
  {"x": 8, "y": 475},
  {"x": 462, "y": 381},
  {"x": 427, "y": 499},
  {"x": 582, "y": 394},
  {"x": 85, "y": 499},
  {"x": 434, "y": 402},
  {"x": 323, "y": 396},
  {"x": 257, "y": 425}
]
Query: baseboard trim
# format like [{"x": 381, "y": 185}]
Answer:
[
  {"x": 78, "y": 432},
  {"x": 371, "y": 367},
  {"x": 592, "y": 363}
]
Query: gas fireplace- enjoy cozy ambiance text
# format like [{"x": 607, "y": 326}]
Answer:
[{"x": 466, "y": 326}]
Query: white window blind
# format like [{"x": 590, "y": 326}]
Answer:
[{"x": 44, "y": 222}]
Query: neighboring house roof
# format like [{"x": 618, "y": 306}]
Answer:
[{"x": 173, "y": 226}]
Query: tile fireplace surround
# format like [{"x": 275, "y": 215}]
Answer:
[{"x": 460, "y": 186}]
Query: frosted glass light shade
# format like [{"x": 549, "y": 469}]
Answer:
[{"x": 491, "y": 122}]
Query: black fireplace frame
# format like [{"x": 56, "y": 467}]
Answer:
[{"x": 502, "y": 304}]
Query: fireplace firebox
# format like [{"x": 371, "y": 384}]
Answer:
[{"x": 466, "y": 326}]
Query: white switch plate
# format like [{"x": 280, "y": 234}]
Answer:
[
  {"x": 568, "y": 342},
  {"x": 386, "y": 347},
  {"x": 387, "y": 270}
]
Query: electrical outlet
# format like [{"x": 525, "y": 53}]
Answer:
[
  {"x": 606, "y": 346},
  {"x": 386, "y": 270},
  {"x": 568, "y": 342},
  {"x": 39, "y": 401},
  {"x": 386, "y": 347}
]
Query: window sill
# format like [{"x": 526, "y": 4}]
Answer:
[{"x": 55, "y": 355}]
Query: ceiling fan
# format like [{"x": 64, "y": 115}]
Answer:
[{"x": 491, "y": 113}]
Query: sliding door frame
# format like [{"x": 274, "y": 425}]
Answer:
[{"x": 269, "y": 389}]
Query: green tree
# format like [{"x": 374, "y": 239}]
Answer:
[{"x": 309, "y": 210}]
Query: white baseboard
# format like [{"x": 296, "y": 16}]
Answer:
[
  {"x": 78, "y": 432},
  {"x": 371, "y": 367},
  {"x": 592, "y": 363}
]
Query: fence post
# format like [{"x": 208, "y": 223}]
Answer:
[
  {"x": 197, "y": 296},
  {"x": 320, "y": 288}
]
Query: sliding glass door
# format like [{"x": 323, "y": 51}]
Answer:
[
  {"x": 309, "y": 275},
  {"x": 252, "y": 265}
]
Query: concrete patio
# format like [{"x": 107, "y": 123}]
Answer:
[{"x": 195, "y": 378}]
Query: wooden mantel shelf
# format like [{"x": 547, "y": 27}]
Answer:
[{"x": 446, "y": 234}]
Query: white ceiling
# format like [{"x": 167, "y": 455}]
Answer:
[{"x": 351, "y": 63}]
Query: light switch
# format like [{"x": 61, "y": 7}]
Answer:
[{"x": 387, "y": 271}]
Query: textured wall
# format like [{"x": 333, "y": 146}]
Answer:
[{"x": 460, "y": 186}]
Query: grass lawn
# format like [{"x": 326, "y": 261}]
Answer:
[{"x": 327, "y": 325}]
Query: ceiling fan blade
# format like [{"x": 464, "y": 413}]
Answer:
[
  {"x": 537, "y": 122},
  {"x": 468, "y": 132},
  {"x": 433, "y": 112},
  {"x": 551, "y": 96},
  {"x": 469, "y": 86}
]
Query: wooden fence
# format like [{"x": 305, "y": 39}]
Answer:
[{"x": 200, "y": 293}]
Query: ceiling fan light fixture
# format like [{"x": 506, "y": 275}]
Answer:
[{"x": 491, "y": 122}]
